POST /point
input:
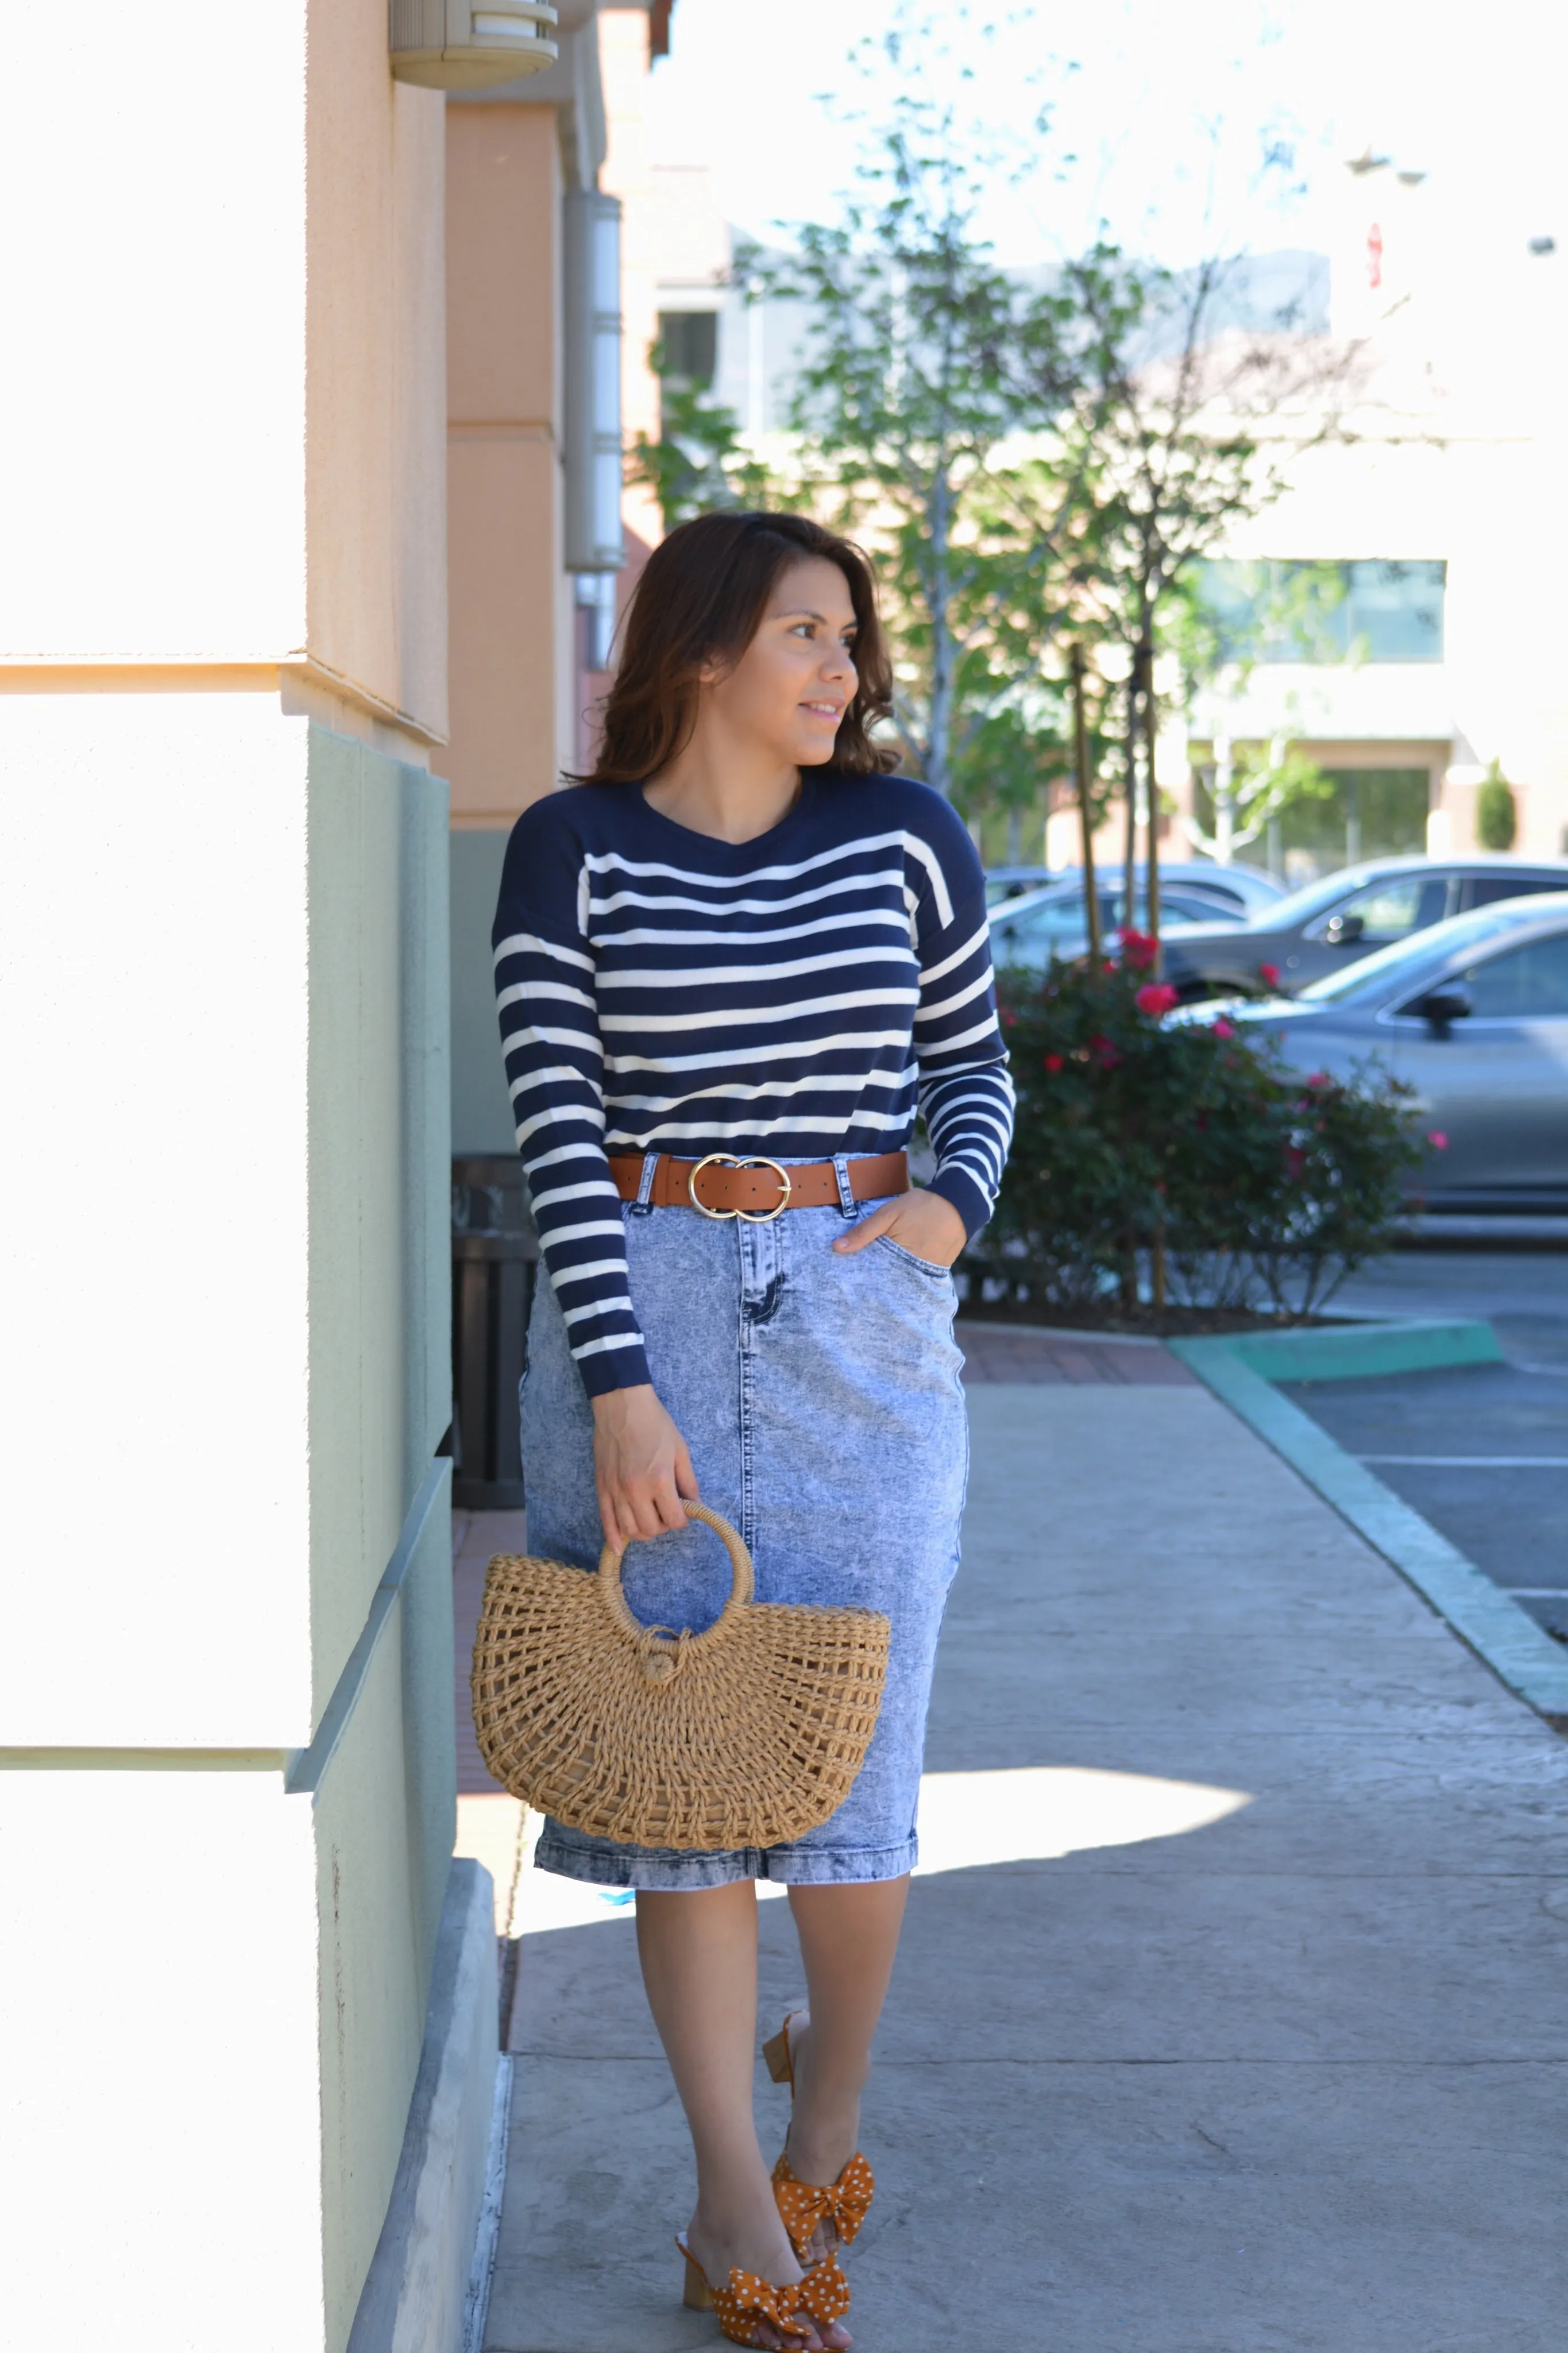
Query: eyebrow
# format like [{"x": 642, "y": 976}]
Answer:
[{"x": 804, "y": 613}]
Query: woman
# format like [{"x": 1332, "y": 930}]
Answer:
[{"x": 741, "y": 937}]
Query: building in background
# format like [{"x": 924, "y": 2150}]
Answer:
[{"x": 1440, "y": 508}]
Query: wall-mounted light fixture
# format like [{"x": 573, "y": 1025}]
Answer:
[
  {"x": 591, "y": 304},
  {"x": 467, "y": 44}
]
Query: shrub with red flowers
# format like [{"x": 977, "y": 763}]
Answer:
[{"x": 1135, "y": 1132}]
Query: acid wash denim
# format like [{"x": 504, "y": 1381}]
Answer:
[{"x": 819, "y": 1396}]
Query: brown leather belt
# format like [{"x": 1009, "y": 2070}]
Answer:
[{"x": 755, "y": 1189}]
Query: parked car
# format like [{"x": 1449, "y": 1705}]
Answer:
[
  {"x": 1028, "y": 931},
  {"x": 1329, "y": 923},
  {"x": 1227, "y": 887},
  {"x": 1473, "y": 1012}
]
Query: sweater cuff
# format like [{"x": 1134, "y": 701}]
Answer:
[
  {"x": 614, "y": 1369},
  {"x": 970, "y": 1200}
]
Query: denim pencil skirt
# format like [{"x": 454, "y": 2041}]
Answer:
[{"x": 819, "y": 1396}]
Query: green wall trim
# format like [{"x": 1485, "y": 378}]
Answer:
[
  {"x": 305, "y": 1772},
  {"x": 1519, "y": 1653},
  {"x": 144, "y": 1760}
]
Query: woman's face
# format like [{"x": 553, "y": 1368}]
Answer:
[{"x": 790, "y": 687}]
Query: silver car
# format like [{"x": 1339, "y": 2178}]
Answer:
[
  {"x": 1028, "y": 931},
  {"x": 1474, "y": 1014}
]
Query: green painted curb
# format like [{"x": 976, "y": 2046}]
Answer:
[
  {"x": 1520, "y": 1653},
  {"x": 1353, "y": 1352}
]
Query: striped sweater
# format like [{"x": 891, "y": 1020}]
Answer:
[{"x": 800, "y": 995}]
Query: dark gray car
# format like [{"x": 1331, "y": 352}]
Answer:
[
  {"x": 1333, "y": 922},
  {"x": 1474, "y": 1014}
]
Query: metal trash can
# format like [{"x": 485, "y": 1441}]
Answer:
[{"x": 495, "y": 1252}]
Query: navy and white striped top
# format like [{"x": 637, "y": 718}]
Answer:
[{"x": 800, "y": 995}]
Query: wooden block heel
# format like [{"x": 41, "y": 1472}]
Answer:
[
  {"x": 697, "y": 2296},
  {"x": 775, "y": 2052},
  {"x": 777, "y": 2055},
  {"x": 746, "y": 2298}
]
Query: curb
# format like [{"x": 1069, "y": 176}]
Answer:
[
  {"x": 1240, "y": 1369},
  {"x": 1347, "y": 1353},
  {"x": 430, "y": 2271}
]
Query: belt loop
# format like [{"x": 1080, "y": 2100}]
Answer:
[
  {"x": 847, "y": 1200},
  {"x": 644, "y": 1202}
]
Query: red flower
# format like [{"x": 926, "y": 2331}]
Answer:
[
  {"x": 1268, "y": 973},
  {"x": 1155, "y": 996},
  {"x": 1316, "y": 1078},
  {"x": 1437, "y": 1140},
  {"x": 1053, "y": 1063},
  {"x": 1224, "y": 1029},
  {"x": 1104, "y": 1052},
  {"x": 1138, "y": 948}
]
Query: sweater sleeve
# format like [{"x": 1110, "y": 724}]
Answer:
[
  {"x": 965, "y": 1087},
  {"x": 555, "y": 1070}
]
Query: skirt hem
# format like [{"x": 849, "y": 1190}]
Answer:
[{"x": 672, "y": 1873}]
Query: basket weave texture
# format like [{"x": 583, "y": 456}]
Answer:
[{"x": 749, "y": 1734}]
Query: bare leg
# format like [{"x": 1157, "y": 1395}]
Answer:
[
  {"x": 848, "y": 1936},
  {"x": 699, "y": 1955}
]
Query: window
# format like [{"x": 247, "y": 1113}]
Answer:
[
  {"x": 1392, "y": 909},
  {"x": 1384, "y": 609},
  {"x": 1528, "y": 983},
  {"x": 1486, "y": 890},
  {"x": 690, "y": 345},
  {"x": 1371, "y": 813},
  {"x": 1053, "y": 925}
]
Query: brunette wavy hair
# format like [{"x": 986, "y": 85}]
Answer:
[{"x": 701, "y": 599}]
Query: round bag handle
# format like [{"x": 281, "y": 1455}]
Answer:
[{"x": 740, "y": 1591}]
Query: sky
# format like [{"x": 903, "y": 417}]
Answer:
[{"x": 1159, "y": 115}]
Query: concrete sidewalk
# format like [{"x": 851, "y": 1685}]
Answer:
[{"x": 1230, "y": 2013}]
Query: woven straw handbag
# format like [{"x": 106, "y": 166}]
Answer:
[{"x": 749, "y": 1734}]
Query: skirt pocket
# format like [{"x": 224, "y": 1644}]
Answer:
[{"x": 924, "y": 1266}]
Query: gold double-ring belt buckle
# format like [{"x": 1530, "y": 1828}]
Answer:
[{"x": 750, "y": 1217}]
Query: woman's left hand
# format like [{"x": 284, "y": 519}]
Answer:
[{"x": 923, "y": 1223}]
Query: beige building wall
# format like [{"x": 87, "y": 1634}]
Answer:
[
  {"x": 520, "y": 700},
  {"x": 512, "y": 621}
]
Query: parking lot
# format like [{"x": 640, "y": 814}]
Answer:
[{"x": 1481, "y": 1451}]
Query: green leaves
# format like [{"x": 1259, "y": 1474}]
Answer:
[
  {"x": 1261, "y": 1184},
  {"x": 924, "y": 371},
  {"x": 699, "y": 461}
]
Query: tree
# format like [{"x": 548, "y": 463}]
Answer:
[
  {"x": 924, "y": 366},
  {"x": 1185, "y": 431},
  {"x": 1219, "y": 631},
  {"x": 1253, "y": 784},
  {"x": 700, "y": 460},
  {"x": 1497, "y": 815}
]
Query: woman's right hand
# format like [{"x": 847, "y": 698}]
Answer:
[{"x": 641, "y": 1467}]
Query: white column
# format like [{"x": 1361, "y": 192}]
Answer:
[{"x": 222, "y": 1245}]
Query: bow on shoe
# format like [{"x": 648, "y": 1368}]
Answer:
[
  {"x": 823, "y": 2293},
  {"x": 803, "y": 2207},
  {"x": 747, "y": 2298}
]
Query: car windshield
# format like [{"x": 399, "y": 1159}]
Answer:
[
  {"x": 1406, "y": 961},
  {"x": 1301, "y": 906},
  {"x": 1030, "y": 931}
]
